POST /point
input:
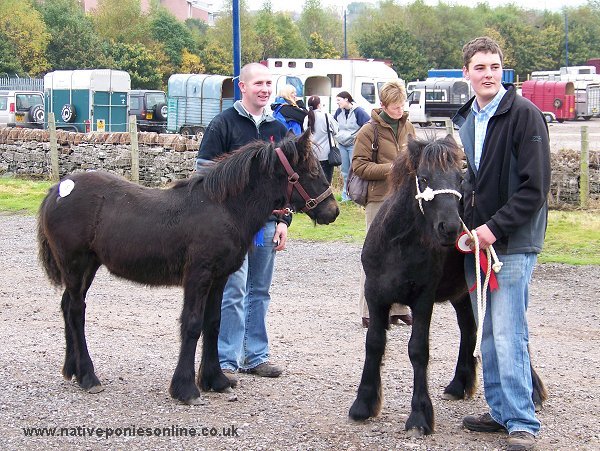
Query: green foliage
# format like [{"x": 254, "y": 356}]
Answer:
[
  {"x": 73, "y": 43},
  {"x": 139, "y": 62},
  {"x": 9, "y": 62},
  {"x": 121, "y": 21},
  {"x": 174, "y": 36},
  {"x": 325, "y": 22},
  {"x": 26, "y": 34},
  {"x": 318, "y": 48},
  {"x": 216, "y": 59}
]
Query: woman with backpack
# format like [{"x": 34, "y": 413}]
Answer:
[
  {"x": 287, "y": 110},
  {"x": 350, "y": 118},
  {"x": 324, "y": 128}
]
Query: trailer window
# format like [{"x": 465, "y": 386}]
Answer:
[
  {"x": 291, "y": 63},
  {"x": 336, "y": 80},
  {"x": 308, "y": 65},
  {"x": 367, "y": 90},
  {"x": 435, "y": 96},
  {"x": 278, "y": 64}
]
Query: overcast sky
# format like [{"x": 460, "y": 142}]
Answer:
[{"x": 285, "y": 5}]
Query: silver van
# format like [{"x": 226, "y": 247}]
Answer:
[{"x": 22, "y": 109}]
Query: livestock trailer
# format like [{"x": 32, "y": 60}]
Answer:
[
  {"x": 436, "y": 99},
  {"x": 556, "y": 99},
  {"x": 88, "y": 100},
  {"x": 195, "y": 99}
]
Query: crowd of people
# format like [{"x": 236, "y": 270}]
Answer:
[{"x": 498, "y": 130}]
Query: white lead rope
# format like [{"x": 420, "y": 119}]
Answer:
[{"x": 482, "y": 289}]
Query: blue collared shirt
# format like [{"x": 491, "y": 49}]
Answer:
[{"x": 482, "y": 118}]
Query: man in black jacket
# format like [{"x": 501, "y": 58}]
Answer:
[
  {"x": 243, "y": 341},
  {"x": 506, "y": 143}
]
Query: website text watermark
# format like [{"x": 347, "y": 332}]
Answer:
[{"x": 131, "y": 431}]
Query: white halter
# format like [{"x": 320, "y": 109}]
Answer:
[{"x": 428, "y": 194}]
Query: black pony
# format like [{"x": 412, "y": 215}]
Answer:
[
  {"x": 194, "y": 234},
  {"x": 409, "y": 257}
]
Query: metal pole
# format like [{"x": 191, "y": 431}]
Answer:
[
  {"x": 237, "y": 49},
  {"x": 566, "y": 39},
  {"x": 345, "y": 36}
]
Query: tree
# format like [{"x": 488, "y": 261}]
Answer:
[
  {"x": 139, "y": 63},
  {"x": 216, "y": 59},
  {"x": 318, "y": 48},
  {"x": 121, "y": 21},
  {"x": 325, "y": 22},
  {"x": 191, "y": 63},
  {"x": 9, "y": 63},
  {"x": 172, "y": 34},
  {"x": 73, "y": 42},
  {"x": 26, "y": 34},
  {"x": 278, "y": 34}
]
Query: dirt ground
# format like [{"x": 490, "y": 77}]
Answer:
[{"x": 314, "y": 328}]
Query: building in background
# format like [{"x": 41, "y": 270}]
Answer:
[{"x": 182, "y": 9}]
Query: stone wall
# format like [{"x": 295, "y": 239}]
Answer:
[{"x": 167, "y": 157}]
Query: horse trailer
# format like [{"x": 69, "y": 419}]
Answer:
[
  {"x": 195, "y": 99},
  {"x": 556, "y": 99},
  {"x": 436, "y": 99},
  {"x": 88, "y": 100}
]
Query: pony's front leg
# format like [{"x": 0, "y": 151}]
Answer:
[
  {"x": 183, "y": 386},
  {"x": 369, "y": 398},
  {"x": 210, "y": 375},
  {"x": 464, "y": 383},
  {"x": 421, "y": 419}
]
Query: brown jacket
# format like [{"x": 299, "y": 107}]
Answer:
[{"x": 389, "y": 148}]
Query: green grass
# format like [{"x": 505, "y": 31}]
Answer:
[
  {"x": 21, "y": 196},
  {"x": 573, "y": 237}
]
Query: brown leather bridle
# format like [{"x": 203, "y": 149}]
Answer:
[{"x": 293, "y": 181}]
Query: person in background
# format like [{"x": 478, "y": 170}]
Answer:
[
  {"x": 350, "y": 118},
  {"x": 243, "y": 342},
  {"x": 287, "y": 110},
  {"x": 317, "y": 121},
  {"x": 393, "y": 128},
  {"x": 506, "y": 185}
]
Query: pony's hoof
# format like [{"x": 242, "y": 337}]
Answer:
[
  {"x": 415, "y": 432},
  {"x": 538, "y": 406},
  {"x": 95, "y": 389},
  {"x": 195, "y": 402},
  {"x": 450, "y": 397}
]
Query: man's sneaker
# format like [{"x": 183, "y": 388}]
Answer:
[
  {"x": 230, "y": 375},
  {"x": 482, "y": 423},
  {"x": 265, "y": 369},
  {"x": 520, "y": 441}
]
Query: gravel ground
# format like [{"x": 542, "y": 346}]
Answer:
[{"x": 315, "y": 333}]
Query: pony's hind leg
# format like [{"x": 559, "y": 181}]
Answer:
[
  {"x": 539, "y": 394},
  {"x": 369, "y": 398},
  {"x": 210, "y": 375},
  {"x": 77, "y": 358},
  {"x": 464, "y": 383}
]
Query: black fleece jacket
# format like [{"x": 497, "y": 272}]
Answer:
[{"x": 509, "y": 191}]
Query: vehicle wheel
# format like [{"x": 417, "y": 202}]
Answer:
[
  {"x": 161, "y": 111},
  {"x": 36, "y": 114},
  {"x": 68, "y": 113},
  {"x": 548, "y": 118},
  {"x": 587, "y": 118},
  {"x": 557, "y": 103},
  {"x": 199, "y": 133},
  {"x": 560, "y": 121},
  {"x": 185, "y": 131}
]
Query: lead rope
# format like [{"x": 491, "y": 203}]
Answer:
[{"x": 482, "y": 289}]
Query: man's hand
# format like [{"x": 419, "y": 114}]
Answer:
[
  {"x": 280, "y": 236},
  {"x": 486, "y": 238}
]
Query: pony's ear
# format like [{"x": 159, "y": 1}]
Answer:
[
  {"x": 415, "y": 148},
  {"x": 304, "y": 141}
]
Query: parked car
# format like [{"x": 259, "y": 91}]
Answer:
[
  {"x": 22, "y": 109},
  {"x": 150, "y": 109}
]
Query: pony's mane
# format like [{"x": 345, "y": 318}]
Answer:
[
  {"x": 436, "y": 154},
  {"x": 230, "y": 174}
]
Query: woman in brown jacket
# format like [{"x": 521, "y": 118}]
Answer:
[{"x": 393, "y": 128}]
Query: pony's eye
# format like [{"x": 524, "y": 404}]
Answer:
[{"x": 423, "y": 180}]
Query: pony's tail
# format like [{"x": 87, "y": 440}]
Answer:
[{"x": 45, "y": 253}]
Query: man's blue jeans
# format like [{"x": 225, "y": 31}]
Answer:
[
  {"x": 243, "y": 341},
  {"x": 346, "y": 152},
  {"x": 505, "y": 357}
]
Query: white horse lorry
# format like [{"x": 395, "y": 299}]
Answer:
[
  {"x": 436, "y": 99},
  {"x": 362, "y": 78}
]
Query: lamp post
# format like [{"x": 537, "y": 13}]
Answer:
[
  {"x": 566, "y": 39},
  {"x": 237, "y": 46},
  {"x": 345, "y": 36}
]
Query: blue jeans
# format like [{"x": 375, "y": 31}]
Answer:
[
  {"x": 243, "y": 342},
  {"x": 505, "y": 357},
  {"x": 346, "y": 152}
]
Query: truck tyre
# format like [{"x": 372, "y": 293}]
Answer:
[
  {"x": 587, "y": 118},
  {"x": 199, "y": 133},
  {"x": 36, "y": 114},
  {"x": 548, "y": 118},
  {"x": 161, "y": 111},
  {"x": 68, "y": 113},
  {"x": 557, "y": 103},
  {"x": 185, "y": 131}
]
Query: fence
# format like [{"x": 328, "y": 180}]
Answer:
[{"x": 21, "y": 84}]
